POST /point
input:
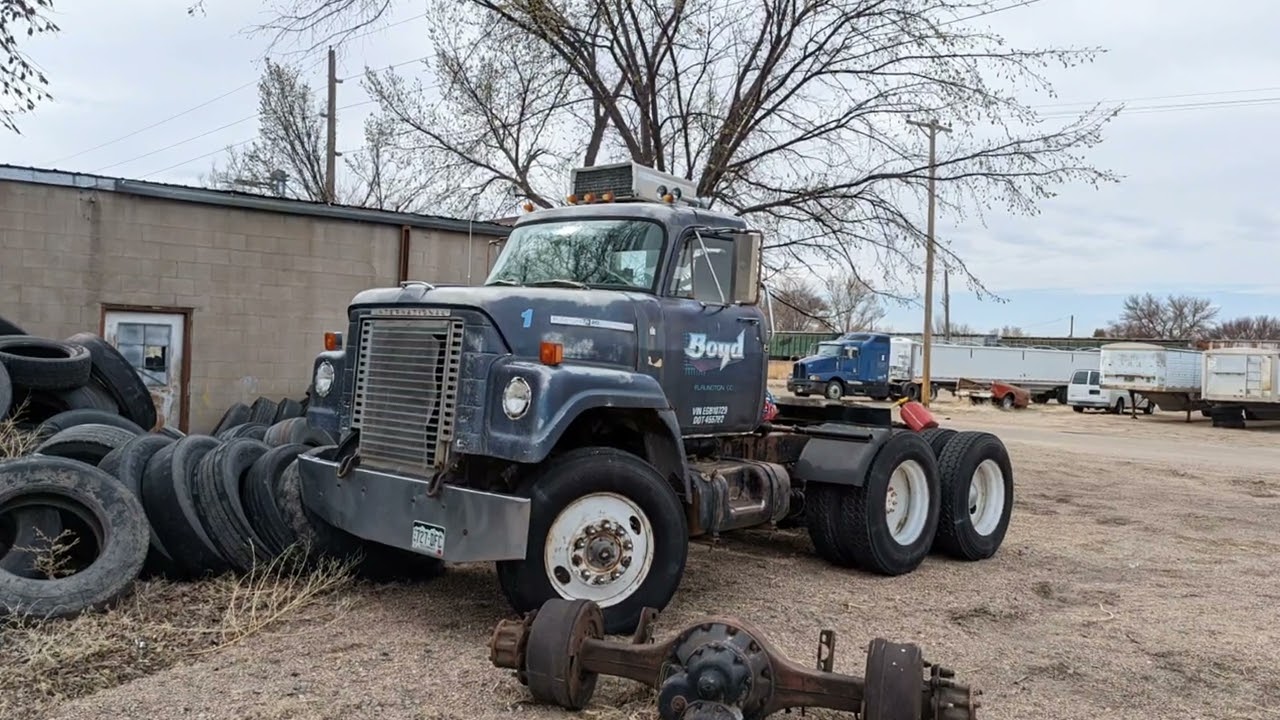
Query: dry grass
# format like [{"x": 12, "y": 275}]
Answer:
[
  {"x": 15, "y": 441},
  {"x": 160, "y": 625}
]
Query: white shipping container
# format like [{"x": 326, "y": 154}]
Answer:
[
  {"x": 1025, "y": 366},
  {"x": 1241, "y": 375},
  {"x": 1144, "y": 367}
]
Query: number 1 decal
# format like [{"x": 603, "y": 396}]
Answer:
[{"x": 527, "y": 316}]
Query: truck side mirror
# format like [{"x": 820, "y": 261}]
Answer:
[{"x": 748, "y": 246}]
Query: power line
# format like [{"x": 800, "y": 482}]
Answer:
[
  {"x": 215, "y": 152},
  {"x": 227, "y": 94},
  {"x": 1162, "y": 97},
  {"x": 1176, "y": 107}
]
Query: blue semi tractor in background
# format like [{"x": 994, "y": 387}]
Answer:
[{"x": 860, "y": 363}]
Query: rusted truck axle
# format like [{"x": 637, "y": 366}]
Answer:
[{"x": 718, "y": 669}]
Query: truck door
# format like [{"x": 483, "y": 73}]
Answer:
[
  {"x": 848, "y": 363},
  {"x": 714, "y": 368}
]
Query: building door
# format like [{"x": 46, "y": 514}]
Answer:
[{"x": 152, "y": 342}]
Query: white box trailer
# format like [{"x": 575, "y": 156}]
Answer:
[
  {"x": 1043, "y": 372},
  {"x": 1169, "y": 377},
  {"x": 1241, "y": 383}
]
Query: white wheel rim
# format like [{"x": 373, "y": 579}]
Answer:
[
  {"x": 906, "y": 502},
  {"x": 986, "y": 497},
  {"x": 599, "y": 548}
]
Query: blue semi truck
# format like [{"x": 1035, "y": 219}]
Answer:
[
  {"x": 860, "y": 363},
  {"x": 598, "y": 401}
]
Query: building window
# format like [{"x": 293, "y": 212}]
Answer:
[{"x": 146, "y": 347}]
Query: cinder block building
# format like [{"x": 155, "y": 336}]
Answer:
[{"x": 216, "y": 297}]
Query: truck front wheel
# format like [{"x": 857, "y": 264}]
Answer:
[
  {"x": 834, "y": 390},
  {"x": 603, "y": 526}
]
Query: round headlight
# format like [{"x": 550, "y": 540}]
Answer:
[
  {"x": 814, "y": 378},
  {"x": 324, "y": 379},
  {"x": 516, "y": 398}
]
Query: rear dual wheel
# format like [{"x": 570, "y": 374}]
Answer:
[
  {"x": 977, "y": 496},
  {"x": 887, "y": 524}
]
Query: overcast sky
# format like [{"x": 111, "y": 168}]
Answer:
[{"x": 1195, "y": 211}]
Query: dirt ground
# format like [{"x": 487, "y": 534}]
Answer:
[{"x": 1138, "y": 580}]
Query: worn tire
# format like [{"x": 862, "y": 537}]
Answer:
[
  {"x": 107, "y": 506},
  {"x": 171, "y": 432},
  {"x": 820, "y": 503},
  {"x": 23, "y": 533},
  {"x": 73, "y": 418},
  {"x": 90, "y": 396},
  {"x": 166, "y": 494},
  {"x": 9, "y": 328},
  {"x": 937, "y": 438},
  {"x": 237, "y": 414},
  {"x": 834, "y": 390},
  {"x": 87, "y": 443},
  {"x": 263, "y": 411},
  {"x": 43, "y": 364},
  {"x": 253, "y": 431},
  {"x": 296, "y": 431},
  {"x": 288, "y": 409},
  {"x": 259, "y": 498},
  {"x": 215, "y": 495},
  {"x": 128, "y": 464},
  {"x": 599, "y": 471},
  {"x": 863, "y": 535},
  {"x": 6, "y": 393},
  {"x": 957, "y": 465},
  {"x": 115, "y": 374}
]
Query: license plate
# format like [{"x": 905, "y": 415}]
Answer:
[{"x": 428, "y": 539}]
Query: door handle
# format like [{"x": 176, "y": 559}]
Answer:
[{"x": 751, "y": 320}]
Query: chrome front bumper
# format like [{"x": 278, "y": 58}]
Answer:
[{"x": 458, "y": 525}]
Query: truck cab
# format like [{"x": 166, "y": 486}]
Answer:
[
  {"x": 855, "y": 364},
  {"x": 600, "y": 399}
]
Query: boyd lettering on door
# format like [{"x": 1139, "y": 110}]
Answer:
[{"x": 706, "y": 354}]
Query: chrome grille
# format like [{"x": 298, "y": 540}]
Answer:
[{"x": 406, "y": 392}]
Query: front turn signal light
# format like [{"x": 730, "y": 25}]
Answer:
[
  {"x": 332, "y": 341},
  {"x": 551, "y": 353}
]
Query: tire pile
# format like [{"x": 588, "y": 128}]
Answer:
[{"x": 102, "y": 502}]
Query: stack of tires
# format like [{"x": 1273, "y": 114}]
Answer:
[
  {"x": 102, "y": 501},
  {"x": 41, "y": 378}
]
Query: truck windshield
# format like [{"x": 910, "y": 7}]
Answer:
[
  {"x": 611, "y": 253},
  {"x": 825, "y": 350}
]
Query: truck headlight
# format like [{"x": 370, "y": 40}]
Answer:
[
  {"x": 516, "y": 398},
  {"x": 324, "y": 378},
  {"x": 814, "y": 378}
]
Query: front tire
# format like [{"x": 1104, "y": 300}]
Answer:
[
  {"x": 1119, "y": 407},
  {"x": 834, "y": 390},
  {"x": 603, "y": 526}
]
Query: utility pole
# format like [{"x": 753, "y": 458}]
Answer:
[
  {"x": 946, "y": 302},
  {"x": 933, "y": 127},
  {"x": 331, "y": 151},
  {"x": 1072, "y": 331}
]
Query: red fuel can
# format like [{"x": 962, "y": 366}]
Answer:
[{"x": 917, "y": 416}]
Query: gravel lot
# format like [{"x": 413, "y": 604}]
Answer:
[{"x": 1138, "y": 580}]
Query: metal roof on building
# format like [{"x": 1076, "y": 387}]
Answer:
[{"x": 246, "y": 201}]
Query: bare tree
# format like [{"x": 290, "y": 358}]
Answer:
[
  {"x": 291, "y": 139},
  {"x": 798, "y": 307},
  {"x": 22, "y": 82},
  {"x": 1012, "y": 331},
  {"x": 1175, "y": 317},
  {"x": 788, "y": 113},
  {"x": 854, "y": 304},
  {"x": 1258, "y": 327},
  {"x": 957, "y": 329}
]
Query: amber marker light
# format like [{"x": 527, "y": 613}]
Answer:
[{"x": 551, "y": 353}]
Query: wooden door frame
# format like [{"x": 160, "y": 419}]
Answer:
[{"x": 184, "y": 380}]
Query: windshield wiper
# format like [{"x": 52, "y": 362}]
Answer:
[{"x": 563, "y": 282}]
